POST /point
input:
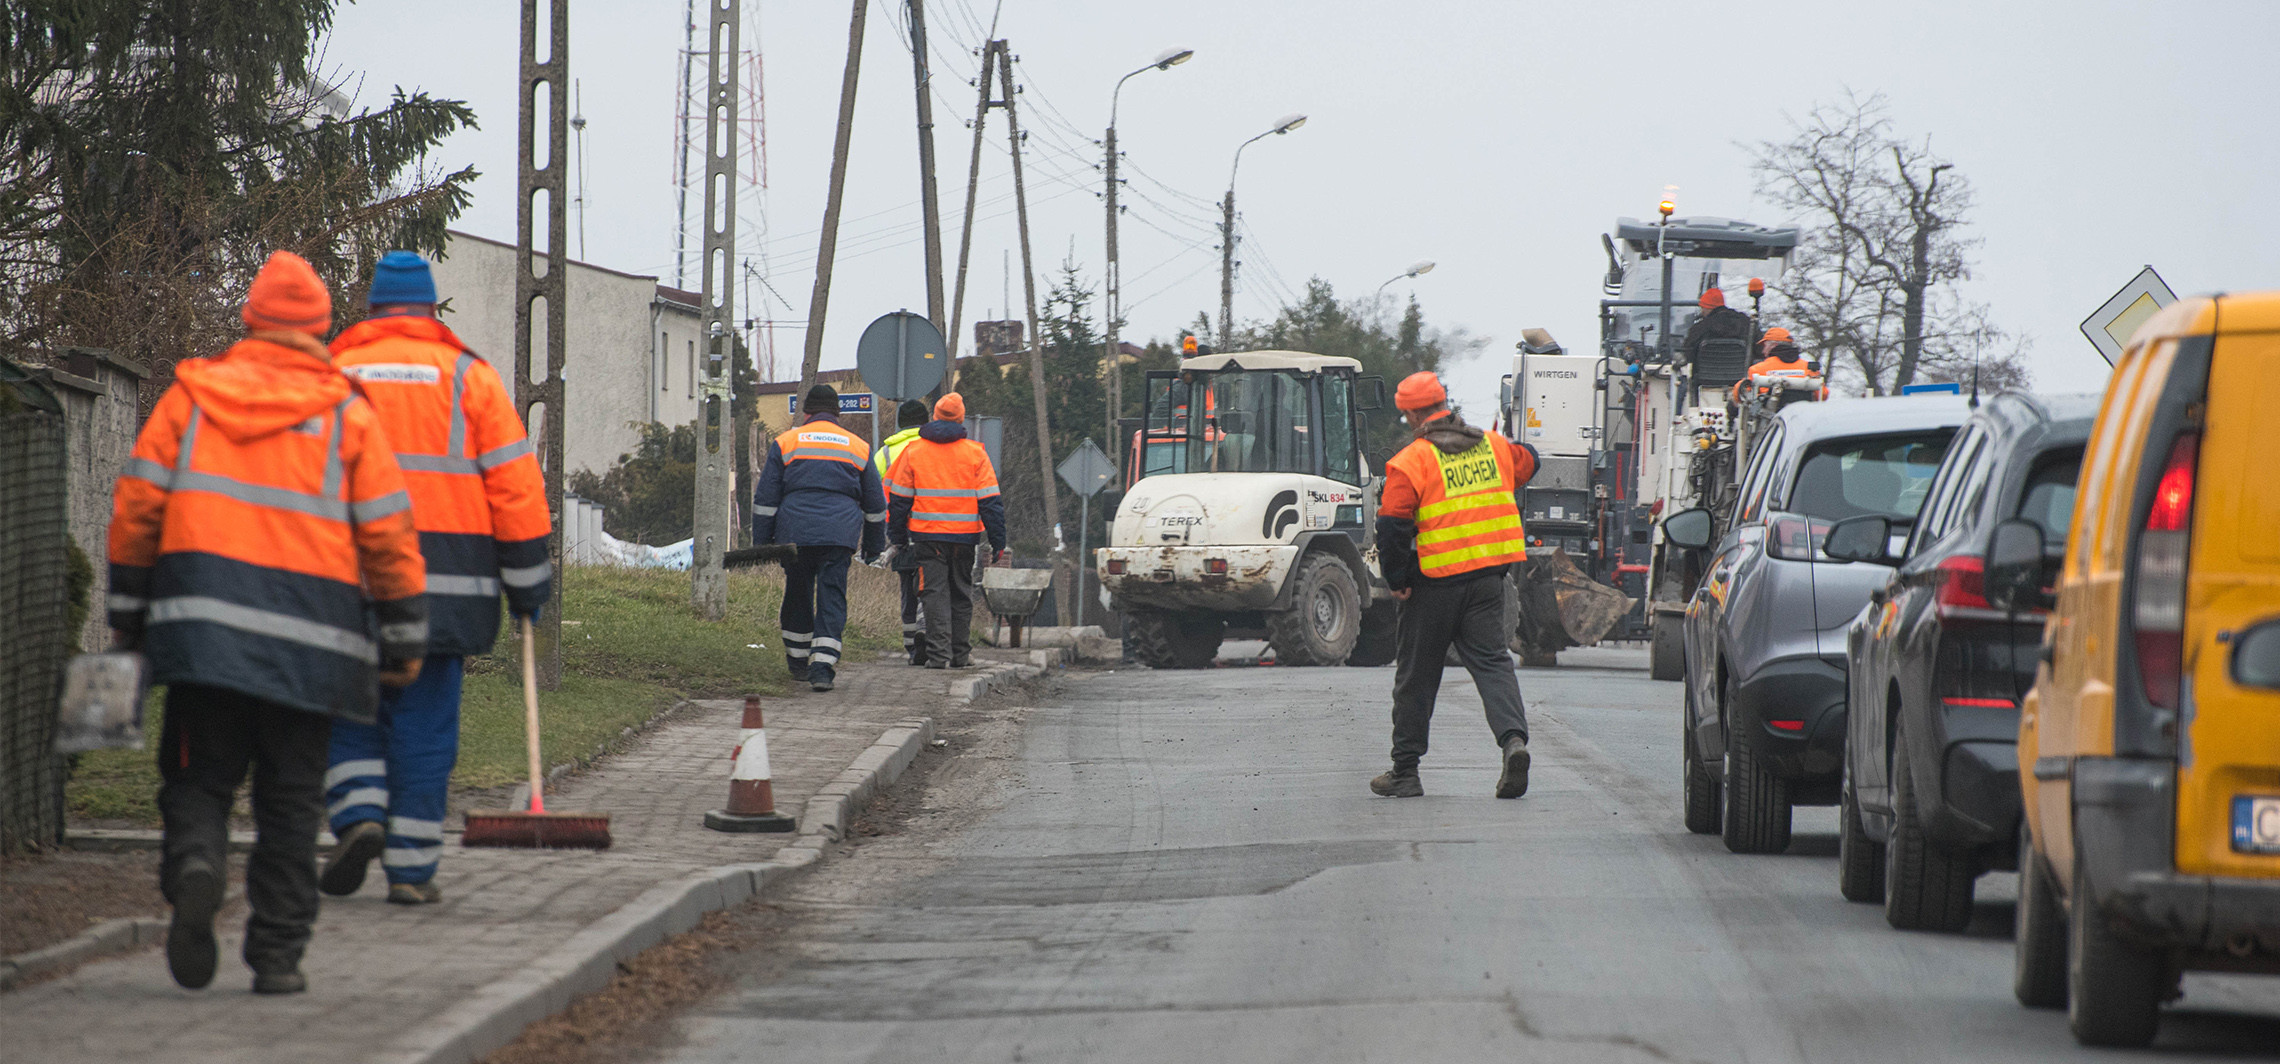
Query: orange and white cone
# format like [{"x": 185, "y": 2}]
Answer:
[{"x": 751, "y": 798}]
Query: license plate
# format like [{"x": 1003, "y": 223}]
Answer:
[{"x": 2256, "y": 824}]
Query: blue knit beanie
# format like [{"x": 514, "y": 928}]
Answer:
[{"x": 401, "y": 277}]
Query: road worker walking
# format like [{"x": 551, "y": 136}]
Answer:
[
  {"x": 1448, "y": 527},
  {"x": 944, "y": 498},
  {"x": 909, "y": 418},
  {"x": 479, "y": 503},
  {"x": 264, "y": 561},
  {"x": 819, "y": 490}
]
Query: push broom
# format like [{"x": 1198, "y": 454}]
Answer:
[{"x": 535, "y": 828}]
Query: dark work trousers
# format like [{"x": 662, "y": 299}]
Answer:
[
  {"x": 210, "y": 738},
  {"x": 946, "y": 586},
  {"x": 1469, "y": 616},
  {"x": 815, "y": 607},
  {"x": 913, "y": 629}
]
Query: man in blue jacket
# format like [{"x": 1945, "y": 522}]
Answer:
[{"x": 818, "y": 490}]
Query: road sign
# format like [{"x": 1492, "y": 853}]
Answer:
[
  {"x": 849, "y": 403},
  {"x": 1088, "y": 470},
  {"x": 2109, "y": 327},
  {"x": 1941, "y": 388},
  {"x": 989, "y": 432},
  {"x": 901, "y": 355}
]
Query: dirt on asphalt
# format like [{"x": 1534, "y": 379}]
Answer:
[{"x": 949, "y": 786}]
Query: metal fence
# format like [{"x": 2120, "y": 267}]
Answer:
[{"x": 35, "y": 609}]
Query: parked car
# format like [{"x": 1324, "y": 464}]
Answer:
[
  {"x": 1930, "y": 798},
  {"x": 2149, "y": 748},
  {"x": 1764, "y": 635}
]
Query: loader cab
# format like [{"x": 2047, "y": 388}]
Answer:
[{"x": 1259, "y": 412}]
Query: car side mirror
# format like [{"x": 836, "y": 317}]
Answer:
[
  {"x": 2256, "y": 655},
  {"x": 1867, "y": 538},
  {"x": 2014, "y": 569},
  {"x": 1690, "y": 529}
]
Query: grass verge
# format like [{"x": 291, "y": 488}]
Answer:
[{"x": 631, "y": 647}]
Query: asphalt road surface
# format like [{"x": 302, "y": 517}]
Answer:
[{"x": 1190, "y": 867}]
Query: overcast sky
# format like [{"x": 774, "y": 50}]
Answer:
[{"x": 1496, "y": 139}]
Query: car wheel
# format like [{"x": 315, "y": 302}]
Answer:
[
  {"x": 1325, "y": 614},
  {"x": 1667, "y": 659},
  {"x": 2039, "y": 972},
  {"x": 1699, "y": 782},
  {"x": 1926, "y": 888},
  {"x": 2114, "y": 988},
  {"x": 1757, "y": 801},
  {"x": 1860, "y": 859}
]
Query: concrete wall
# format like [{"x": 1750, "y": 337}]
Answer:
[{"x": 626, "y": 348}]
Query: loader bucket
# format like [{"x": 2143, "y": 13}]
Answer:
[{"x": 1560, "y": 606}]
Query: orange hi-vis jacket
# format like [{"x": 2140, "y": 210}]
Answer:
[
  {"x": 1774, "y": 364},
  {"x": 478, "y": 498},
  {"x": 1464, "y": 503},
  {"x": 943, "y": 488},
  {"x": 261, "y": 537}
]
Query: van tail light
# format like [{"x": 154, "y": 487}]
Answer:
[
  {"x": 2162, "y": 555},
  {"x": 1795, "y": 539},
  {"x": 1962, "y": 584}
]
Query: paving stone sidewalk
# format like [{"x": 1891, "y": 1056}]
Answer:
[{"x": 377, "y": 971}]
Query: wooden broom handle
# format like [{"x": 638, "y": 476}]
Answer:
[{"x": 530, "y": 710}]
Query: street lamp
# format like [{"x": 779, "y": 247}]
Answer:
[
  {"x": 1419, "y": 268},
  {"x": 1227, "y": 230},
  {"x": 1113, "y": 379}
]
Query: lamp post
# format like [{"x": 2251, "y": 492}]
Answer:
[
  {"x": 1413, "y": 271},
  {"x": 1113, "y": 376},
  {"x": 1227, "y": 230}
]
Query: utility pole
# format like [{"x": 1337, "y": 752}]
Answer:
[
  {"x": 547, "y": 395},
  {"x": 1064, "y": 598},
  {"x": 716, "y": 432},
  {"x": 973, "y": 180},
  {"x": 930, "y": 206},
  {"x": 828, "y": 246},
  {"x": 1226, "y": 270},
  {"x": 681, "y": 159},
  {"x": 1113, "y": 385}
]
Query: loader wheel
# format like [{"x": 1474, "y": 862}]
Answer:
[
  {"x": 1174, "y": 641},
  {"x": 1376, "y": 646},
  {"x": 1667, "y": 660},
  {"x": 1324, "y": 618}
]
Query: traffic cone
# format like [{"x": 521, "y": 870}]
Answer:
[{"x": 751, "y": 799}]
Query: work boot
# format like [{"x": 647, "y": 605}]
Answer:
[
  {"x": 1514, "y": 782},
  {"x": 1398, "y": 782},
  {"x": 282, "y": 981},
  {"x": 414, "y": 893},
  {"x": 799, "y": 673},
  {"x": 918, "y": 658},
  {"x": 819, "y": 677},
  {"x": 351, "y": 856},
  {"x": 191, "y": 952},
  {"x": 937, "y": 663},
  {"x": 962, "y": 661}
]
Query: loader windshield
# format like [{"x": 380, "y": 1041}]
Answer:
[{"x": 1252, "y": 421}]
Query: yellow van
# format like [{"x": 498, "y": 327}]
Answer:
[{"x": 2149, "y": 748}]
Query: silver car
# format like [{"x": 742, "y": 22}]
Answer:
[{"x": 1765, "y": 630}]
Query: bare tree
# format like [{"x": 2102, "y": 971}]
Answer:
[{"x": 1871, "y": 286}]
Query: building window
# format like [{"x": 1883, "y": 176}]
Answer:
[
  {"x": 664, "y": 368},
  {"x": 692, "y": 369}
]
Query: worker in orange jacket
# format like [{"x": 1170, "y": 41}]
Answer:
[
  {"x": 479, "y": 503},
  {"x": 942, "y": 502},
  {"x": 263, "y": 560},
  {"x": 1779, "y": 355},
  {"x": 1448, "y": 529}
]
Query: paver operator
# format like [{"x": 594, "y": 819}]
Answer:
[
  {"x": 1448, "y": 526},
  {"x": 909, "y": 418},
  {"x": 263, "y": 560},
  {"x": 819, "y": 490},
  {"x": 1718, "y": 321},
  {"x": 479, "y": 502},
  {"x": 944, "y": 497}
]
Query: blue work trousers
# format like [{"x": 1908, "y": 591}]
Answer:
[
  {"x": 397, "y": 770},
  {"x": 814, "y": 616}
]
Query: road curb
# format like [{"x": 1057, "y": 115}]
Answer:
[
  {"x": 497, "y": 1014},
  {"x": 110, "y": 936},
  {"x": 973, "y": 688}
]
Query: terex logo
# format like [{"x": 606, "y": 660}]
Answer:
[{"x": 1180, "y": 520}]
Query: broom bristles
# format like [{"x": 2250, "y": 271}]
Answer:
[{"x": 541, "y": 831}]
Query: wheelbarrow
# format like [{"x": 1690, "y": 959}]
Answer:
[{"x": 1013, "y": 595}]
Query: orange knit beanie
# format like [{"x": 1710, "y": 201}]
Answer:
[{"x": 288, "y": 295}]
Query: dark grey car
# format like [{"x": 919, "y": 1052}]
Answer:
[{"x": 1765, "y": 632}]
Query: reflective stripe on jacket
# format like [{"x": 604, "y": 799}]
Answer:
[
  {"x": 478, "y": 497},
  {"x": 1463, "y": 507},
  {"x": 818, "y": 488},
  {"x": 945, "y": 489},
  {"x": 261, "y": 536}
]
